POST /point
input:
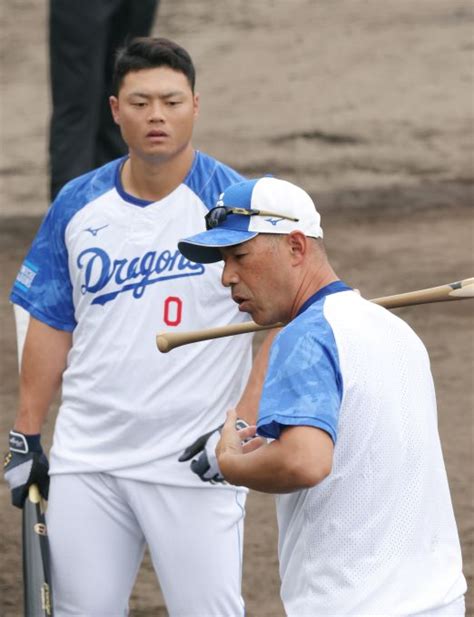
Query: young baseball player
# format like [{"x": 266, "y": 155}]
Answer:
[
  {"x": 102, "y": 277},
  {"x": 366, "y": 525}
]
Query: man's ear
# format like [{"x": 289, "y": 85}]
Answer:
[
  {"x": 114, "y": 108},
  {"x": 196, "y": 105},
  {"x": 297, "y": 244}
]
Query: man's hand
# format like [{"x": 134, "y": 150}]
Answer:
[
  {"x": 25, "y": 464},
  {"x": 236, "y": 439},
  {"x": 204, "y": 448}
]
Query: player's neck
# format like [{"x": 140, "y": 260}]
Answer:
[{"x": 153, "y": 180}]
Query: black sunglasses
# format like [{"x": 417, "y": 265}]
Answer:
[{"x": 216, "y": 216}]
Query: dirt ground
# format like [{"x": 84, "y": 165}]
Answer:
[{"x": 367, "y": 105}]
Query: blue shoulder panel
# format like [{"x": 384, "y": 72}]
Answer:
[
  {"x": 43, "y": 285},
  {"x": 304, "y": 384},
  {"x": 208, "y": 178}
]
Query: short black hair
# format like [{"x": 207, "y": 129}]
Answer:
[{"x": 151, "y": 52}]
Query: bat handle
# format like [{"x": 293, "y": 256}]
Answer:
[
  {"x": 33, "y": 494},
  {"x": 35, "y": 497}
]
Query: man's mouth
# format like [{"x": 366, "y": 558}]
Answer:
[
  {"x": 157, "y": 134},
  {"x": 241, "y": 301}
]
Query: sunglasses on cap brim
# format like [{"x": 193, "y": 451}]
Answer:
[{"x": 216, "y": 216}]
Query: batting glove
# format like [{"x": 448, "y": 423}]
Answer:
[
  {"x": 204, "y": 448},
  {"x": 25, "y": 464}
]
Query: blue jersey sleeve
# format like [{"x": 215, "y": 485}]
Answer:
[
  {"x": 304, "y": 383},
  {"x": 43, "y": 286}
]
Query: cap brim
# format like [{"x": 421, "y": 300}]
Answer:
[{"x": 204, "y": 247}]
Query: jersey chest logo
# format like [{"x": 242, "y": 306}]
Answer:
[
  {"x": 95, "y": 230},
  {"x": 130, "y": 275}
]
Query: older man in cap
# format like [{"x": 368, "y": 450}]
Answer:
[{"x": 366, "y": 524}]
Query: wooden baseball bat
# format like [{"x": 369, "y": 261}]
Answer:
[
  {"x": 460, "y": 290},
  {"x": 36, "y": 566}
]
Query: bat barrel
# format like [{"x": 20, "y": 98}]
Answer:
[
  {"x": 36, "y": 567},
  {"x": 452, "y": 291}
]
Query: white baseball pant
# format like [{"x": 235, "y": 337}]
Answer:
[{"x": 98, "y": 526}]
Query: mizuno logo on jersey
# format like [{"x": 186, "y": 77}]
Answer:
[
  {"x": 132, "y": 275},
  {"x": 95, "y": 230}
]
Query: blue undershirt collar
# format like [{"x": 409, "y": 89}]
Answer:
[
  {"x": 131, "y": 199},
  {"x": 137, "y": 201}
]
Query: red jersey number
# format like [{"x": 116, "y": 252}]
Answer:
[{"x": 172, "y": 311}]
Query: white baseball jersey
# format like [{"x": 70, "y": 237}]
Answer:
[
  {"x": 105, "y": 266},
  {"x": 378, "y": 535}
]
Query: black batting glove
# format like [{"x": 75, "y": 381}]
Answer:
[
  {"x": 204, "y": 448},
  {"x": 25, "y": 464}
]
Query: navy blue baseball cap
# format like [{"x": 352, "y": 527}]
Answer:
[{"x": 245, "y": 209}]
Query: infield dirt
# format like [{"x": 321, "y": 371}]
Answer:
[{"x": 367, "y": 105}]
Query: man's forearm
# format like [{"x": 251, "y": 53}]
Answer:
[
  {"x": 267, "y": 470},
  {"x": 300, "y": 458},
  {"x": 44, "y": 360},
  {"x": 247, "y": 407}
]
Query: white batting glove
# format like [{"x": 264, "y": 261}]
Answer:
[{"x": 204, "y": 448}]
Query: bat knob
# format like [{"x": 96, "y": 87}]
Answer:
[{"x": 162, "y": 343}]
